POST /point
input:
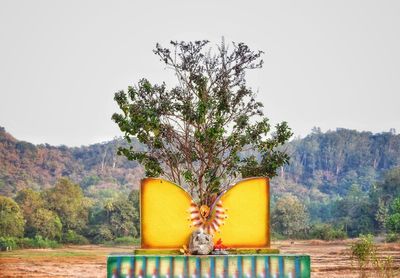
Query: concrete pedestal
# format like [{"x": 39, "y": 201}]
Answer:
[{"x": 169, "y": 266}]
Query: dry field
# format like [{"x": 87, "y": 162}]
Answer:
[
  {"x": 329, "y": 259},
  {"x": 332, "y": 259}
]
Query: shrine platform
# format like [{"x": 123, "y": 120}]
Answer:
[{"x": 210, "y": 266}]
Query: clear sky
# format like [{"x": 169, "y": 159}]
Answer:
[{"x": 327, "y": 63}]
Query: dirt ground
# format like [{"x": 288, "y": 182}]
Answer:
[
  {"x": 328, "y": 259},
  {"x": 332, "y": 259}
]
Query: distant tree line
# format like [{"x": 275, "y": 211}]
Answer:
[
  {"x": 333, "y": 161},
  {"x": 64, "y": 214},
  {"x": 68, "y": 214},
  {"x": 376, "y": 211}
]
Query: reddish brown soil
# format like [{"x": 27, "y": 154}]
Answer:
[
  {"x": 328, "y": 259},
  {"x": 332, "y": 259},
  {"x": 70, "y": 261}
]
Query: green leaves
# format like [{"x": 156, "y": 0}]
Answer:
[
  {"x": 202, "y": 133},
  {"x": 290, "y": 216},
  {"x": 11, "y": 219},
  {"x": 68, "y": 201},
  {"x": 47, "y": 224},
  {"x": 188, "y": 176},
  {"x": 393, "y": 220}
]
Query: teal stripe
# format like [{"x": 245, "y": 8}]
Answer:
[
  {"x": 198, "y": 268},
  {"x": 157, "y": 267},
  {"x": 119, "y": 259},
  {"x": 171, "y": 266},
  {"x": 226, "y": 267},
  {"x": 253, "y": 266},
  {"x": 267, "y": 267},
  {"x": 185, "y": 267},
  {"x": 240, "y": 266},
  {"x": 280, "y": 260},
  {"x": 144, "y": 266},
  {"x": 212, "y": 267},
  {"x": 132, "y": 271},
  {"x": 297, "y": 267}
]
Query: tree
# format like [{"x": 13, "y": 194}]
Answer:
[
  {"x": 134, "y": 200},
  {"x": 47, "y": 224},
  {"x": 90, "y": 180},
  {"x": 67, "y": 200},
  {"x": 381, "y": 214},
  {"x": 289, "y": 216},
  {"x": 204, "y": 132},
  {"x": 11, "y": 219},
  {"x": 29, "y": 201},
  {"x": 393, "y": 220},
  {"x": 123, "y": 217},
  {"x": 390, "y": 187},
  {"x": 355, "y": 212}
]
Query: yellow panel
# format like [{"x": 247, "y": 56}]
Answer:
[
  {"x": 247, "y": 205},
  {"x": 164, "y": 214}
]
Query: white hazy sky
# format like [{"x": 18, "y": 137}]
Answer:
[{"x": 327, "y": 63}]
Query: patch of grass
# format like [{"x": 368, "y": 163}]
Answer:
[
  {"x": 123, "y": 241},
  {"x": 37, "y": 242},
  {"x": 12, "y": 243},
  {"x": 392, "y": 237},
  {"x": 74, "y": 238},
  {"x": 365, "y": 253},
  {"x": 326, "y": 232}
]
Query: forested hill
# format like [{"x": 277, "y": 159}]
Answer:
[
  {"x": 23, "y": 164},
  {"x": 329, "y": 163},
  {"x": 333, "y": 161}
]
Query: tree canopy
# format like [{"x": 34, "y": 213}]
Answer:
[
  {"x": 11, "y": 219},
  {"x": 393, "y": 221},
  {"x": 289, "y": 216},
  {"x": 68, "y": 201},
  {"x": 29, "y": 202},
  {"x": 47, "y": 224},
  {"x": 209, "y": 129}
]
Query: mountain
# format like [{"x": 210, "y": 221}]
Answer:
[
  {"x": 331, "y": 163},
  {"x": 23, "y": 164},
  {"x": 322, "y": 164}
]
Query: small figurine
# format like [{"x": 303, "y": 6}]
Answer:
[{"x": 200, "y": 243}]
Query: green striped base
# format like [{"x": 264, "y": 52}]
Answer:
[
  {"x": 236, "y": 251},
  {"x": 271, "y": 266}
]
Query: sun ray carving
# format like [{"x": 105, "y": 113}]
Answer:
[{"x": 208, "y": 220}]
